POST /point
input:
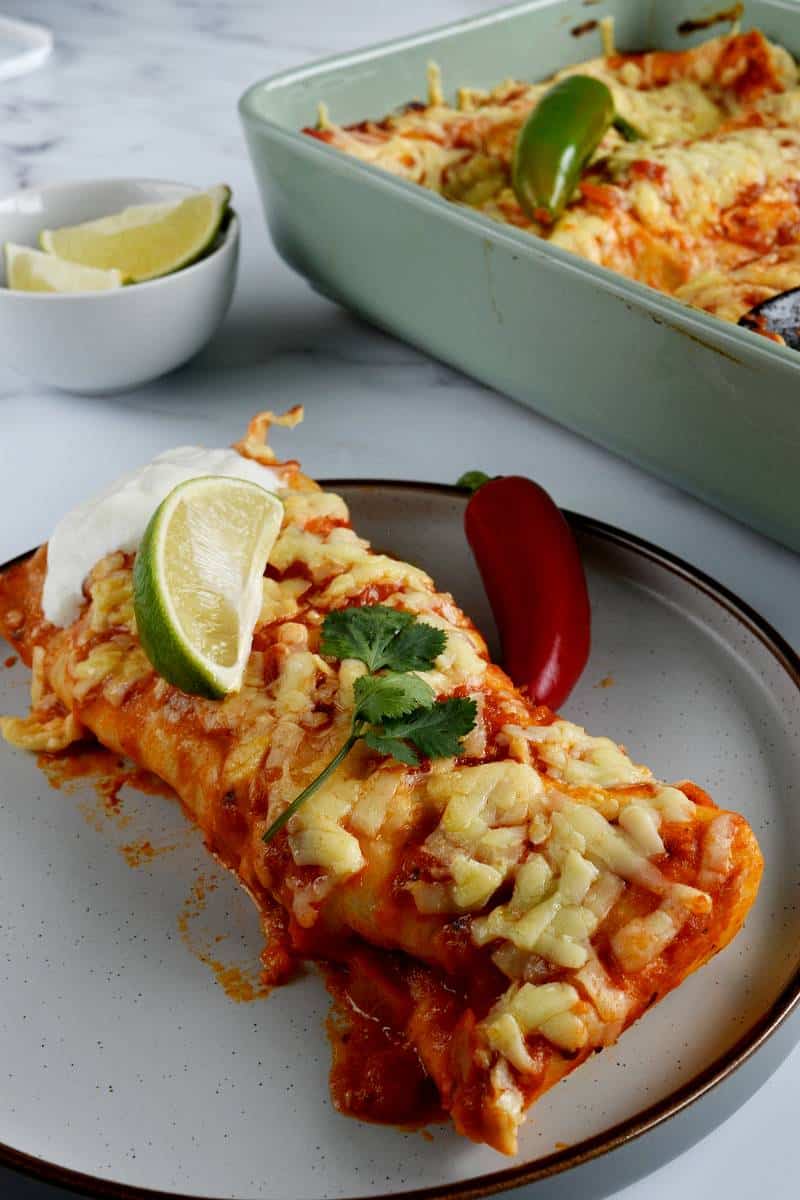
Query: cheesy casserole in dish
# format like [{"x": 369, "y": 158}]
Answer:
[{"x": 705, "y": 207}]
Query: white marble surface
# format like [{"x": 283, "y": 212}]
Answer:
[{"x": 150, "y": 89}]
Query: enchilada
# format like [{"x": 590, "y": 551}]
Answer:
[
  {"x": 704, "y": 206},
  {"x": 515, "y": 907}
]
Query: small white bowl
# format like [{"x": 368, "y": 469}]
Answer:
[{"x": 95, "y": 342}]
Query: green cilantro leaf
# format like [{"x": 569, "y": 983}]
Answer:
[
  {"x": 397, "y": 707},
  {"x": 417, "y": 647},
  {"x": 391, "y": 746},
  {"x": 391, "y": 695},
  {"x": 382, "y": 637},
  {"x": 363, "y": 633},
  {"x": 436, "y": 731}
]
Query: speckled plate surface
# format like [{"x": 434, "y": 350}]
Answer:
[{"x": 136, "y": 1052}]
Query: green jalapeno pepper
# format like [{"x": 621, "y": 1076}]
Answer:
[{"x": 558, "y": 139}]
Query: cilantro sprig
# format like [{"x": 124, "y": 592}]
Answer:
[
  {"x": 381, "y": 637},
  {"x": 395, "y": 711},
  {"x": 435, "y": 731}
]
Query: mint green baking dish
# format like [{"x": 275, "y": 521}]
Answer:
[{"x": 706, "y": 405}]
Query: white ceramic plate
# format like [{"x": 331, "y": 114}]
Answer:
[{"x": 124, "y": 1061}]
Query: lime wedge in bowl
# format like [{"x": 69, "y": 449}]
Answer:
[
  {"x": 147, "y": 240},
  {"x": 30, "y": 270},
  {"x": 197, "y": 581}
]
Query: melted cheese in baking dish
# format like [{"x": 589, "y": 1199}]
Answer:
[
  {"x": 534, "y": 896},
  {"x": 706, "y": 207}
]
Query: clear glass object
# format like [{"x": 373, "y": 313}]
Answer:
[{"x": 24, "y": 46}]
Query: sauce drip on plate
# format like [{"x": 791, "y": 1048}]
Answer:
[{"x": 376, "y": 1075}]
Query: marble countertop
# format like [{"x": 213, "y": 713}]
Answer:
[{"x": 154, "y": 94}]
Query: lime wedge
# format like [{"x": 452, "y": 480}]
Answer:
[
  {"x": 31, "y": 271},
  {"x": 147, "y": 240},
  {"x": 197, "y": 581}
]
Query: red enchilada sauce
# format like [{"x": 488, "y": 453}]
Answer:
[{"x": 376, "y": 1075}]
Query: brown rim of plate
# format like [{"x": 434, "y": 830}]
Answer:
[{"x": 623, "y": 1132}]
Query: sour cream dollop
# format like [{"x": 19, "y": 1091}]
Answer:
[{"x": 117, "y": 518}]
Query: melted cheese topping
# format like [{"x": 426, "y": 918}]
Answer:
[
  {"x": 707, "y": 193},
  {"x": 569, "y": 864},
  {"x": 643, "y": 939},
  {"x": 48, "y": 727},
  {"x": 546, "y": 1009}
]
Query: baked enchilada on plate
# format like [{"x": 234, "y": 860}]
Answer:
[
  {"x": 703, "y": 204},
  {"x": 512, "y": 908}
]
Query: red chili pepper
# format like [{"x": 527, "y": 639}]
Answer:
[{"x": 532, "y": 572}]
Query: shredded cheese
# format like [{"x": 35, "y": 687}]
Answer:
[
  {"x": 643, "y": 939},
  {"x": 435, "y": 93},
  {"x": 528, "y": 1009}
]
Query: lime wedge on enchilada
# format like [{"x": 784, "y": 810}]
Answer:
[
  {"x": 197, "y": 581},
  {"x": 146, "y": 240}
]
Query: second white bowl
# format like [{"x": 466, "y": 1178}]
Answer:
[{"x": 95, "y": 342}]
